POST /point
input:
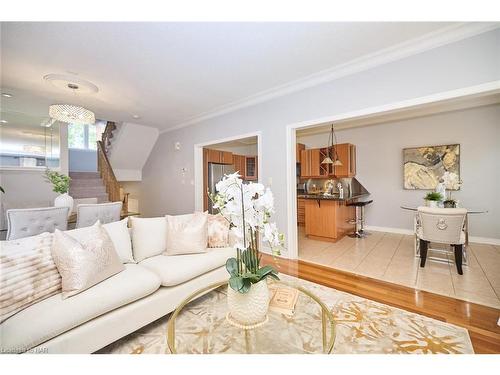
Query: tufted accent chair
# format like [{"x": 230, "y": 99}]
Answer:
[
  {"x": 88, "y": 214},
  {"x": 28, "y": 222}
]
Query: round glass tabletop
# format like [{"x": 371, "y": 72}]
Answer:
[{"x": 199, "y": 326}]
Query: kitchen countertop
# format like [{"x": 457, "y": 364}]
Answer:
[{"x": 333, "y": 197}]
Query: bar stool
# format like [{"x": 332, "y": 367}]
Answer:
[{"x": 360, "y": 218}]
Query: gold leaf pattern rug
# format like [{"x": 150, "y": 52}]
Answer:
[{"x": 362, "y": 327}]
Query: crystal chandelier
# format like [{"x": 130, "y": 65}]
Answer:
[
  {"x": 328, "y": 159},
  {"x": 72, "y": 114}
]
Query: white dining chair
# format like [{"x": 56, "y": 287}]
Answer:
[
  {"x": 26, "y": 222},
  {"x": 88, "y": 214},
  {"x": 444, "y": 226}
]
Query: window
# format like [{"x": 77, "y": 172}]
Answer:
[{"x": 85, "y": 136}]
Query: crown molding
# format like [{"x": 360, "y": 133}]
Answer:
[{"x": 399, "y": 51}]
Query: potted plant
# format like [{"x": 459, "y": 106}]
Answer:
[
  {"x": 450, "y": 203},
  {"x": 60, "y": 184},
  {"x": 433, "y": 198},
  {"x": 248, "y": 208}
]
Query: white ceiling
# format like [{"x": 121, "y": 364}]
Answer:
[{"x": 172, "y": 73}]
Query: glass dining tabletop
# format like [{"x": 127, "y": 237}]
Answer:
[{"x": 414, "y": 208}]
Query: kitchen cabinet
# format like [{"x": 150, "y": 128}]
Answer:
[
  {"x": 251, "y": 168},
  {"x": 220, "y": 157},
  {"x": 347, "y": 155},
  {"x": 239, "y": 164},
  {"x": 298, "y": 151},
  {"x": 310, "y": 163},
  {"x": 301, "y": 211},
  {"x": 327, "y": 220}
]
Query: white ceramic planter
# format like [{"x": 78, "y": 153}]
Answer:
[
  {"x": 249, "y": 308},
  {"x": 433, "y": 204},
  {"x": 64, "y": 200}
]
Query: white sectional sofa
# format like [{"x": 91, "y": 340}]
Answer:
[{"x": 115, "y": 307}]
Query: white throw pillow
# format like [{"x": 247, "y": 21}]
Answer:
[
  {"x": 119, "y": 234},
  {"x": 149, "y": 237},
  {"x": 186, "y": 234},
  {"x": 84, "y": 263}
]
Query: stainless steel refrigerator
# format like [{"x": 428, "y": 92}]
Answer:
[{"x": 215, "y": 174}]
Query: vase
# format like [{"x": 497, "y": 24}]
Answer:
[
  {"x": 432, "y": 204},
  {"x": 249, "y": 308},
  {"x": 64, "y": 200}
]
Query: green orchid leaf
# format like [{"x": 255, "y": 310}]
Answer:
[
  {"x": 236, "y": 283},
  {"x": 232, "y": 266},
  {"x": 264, "y": 271}
]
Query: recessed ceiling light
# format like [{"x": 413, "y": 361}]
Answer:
[
  {"x": 6, "y": 95},
  {"x": 136, "y": 116},
  {"x": 3, "y": 121}
]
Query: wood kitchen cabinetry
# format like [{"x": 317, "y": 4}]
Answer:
[
  {"x": 298, "y": 151},
  {"x": 347, "y": 155},
  {"x": 310, "y": 163},
  {"x": 220, "y": 157},
  {"x": 327, "y": 220},
  {"x": 251, "y": 168},
  {"x": 311, "y": 167},
  {"x": 239, "y": 164},
  {"x": 301, "y": 211}
]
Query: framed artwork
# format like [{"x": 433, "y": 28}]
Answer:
[{"x": 423, "y": 167}]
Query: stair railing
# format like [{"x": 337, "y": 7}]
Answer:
[{"x": 104, "y": 166}]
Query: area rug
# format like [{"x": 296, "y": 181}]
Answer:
[{"x": 362, "y": 327}]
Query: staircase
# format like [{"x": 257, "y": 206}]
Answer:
[
  {"x": 88, "y": 185},
  {"x": 101, "y": 184}
]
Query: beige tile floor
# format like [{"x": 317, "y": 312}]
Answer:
[{"x": 390, "y": 257}]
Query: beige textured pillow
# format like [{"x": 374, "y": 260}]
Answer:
[
  {"x": 84, "y": 263},
  {"x": 218, "y": 231},
  {"x": 27, "y": 273},
  {"x": 186, "y": 234}
]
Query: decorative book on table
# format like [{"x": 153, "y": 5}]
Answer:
[{"x": 283, "y": 299}]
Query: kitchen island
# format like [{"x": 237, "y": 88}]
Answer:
[{"x": 328, "y": 217}]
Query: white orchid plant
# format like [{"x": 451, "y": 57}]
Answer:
[
  {"x": 451, "y": 182},
  {"x": 248, "y": 208}
]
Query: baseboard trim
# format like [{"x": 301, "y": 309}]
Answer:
[{"x": 483, "y": 240}]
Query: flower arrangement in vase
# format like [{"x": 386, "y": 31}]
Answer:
[
  {"x": 60, "y": 184},
  {"x": 248, "y": 208},
  {"x": 452, "y": 182}
]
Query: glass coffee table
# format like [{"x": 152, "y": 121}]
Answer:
[{"x": 199, "y": 326}]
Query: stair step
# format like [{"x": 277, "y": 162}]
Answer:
[
  {"x": 101, "y": 198},
  {"x": 86, "y": 191},
  {"x": 83, "y": 175},
  {"x": 81, "y": 182}
]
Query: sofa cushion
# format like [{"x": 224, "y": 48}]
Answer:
[
  {"x": 27, "y": 273},
  {"x": 176, "y": 269},
  {"x": 55, "y": 315},
  {"x": 149, "y": 237},
  {"x": 82, "y": 264},
  {"x": 186, "y": 234},
  {"x": 120, "y": 235}
]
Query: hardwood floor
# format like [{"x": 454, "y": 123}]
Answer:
[{"x": 480, "y": 321}]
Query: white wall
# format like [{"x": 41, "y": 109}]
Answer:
[
  {"x": 130, "y": 148},
  {"x": 380, "y": 164},
  {"x": 465, "y": 63},
  {"x": 248, "y": 150}
]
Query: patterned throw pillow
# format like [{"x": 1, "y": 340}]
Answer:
[
  {"x": 84, "y": 263},
  {"x": 28, "y": 273},
  {"x": 218, "y": 231}
]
